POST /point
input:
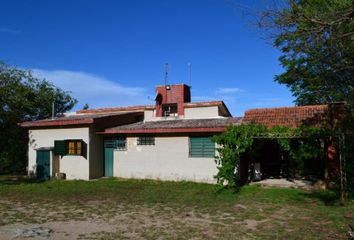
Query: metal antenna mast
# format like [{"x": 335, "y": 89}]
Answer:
[
  {"x": 166, "y": 73},
  {"x": 190, "y": 74}
]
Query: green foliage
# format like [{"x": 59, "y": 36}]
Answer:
[
  {"x": 302, "y": 149},
  {"x": 235, "y": 141},
  {"x": 348, "y": 131},
  {"x": 316, "y": 39},
  {"x": 24, "y": 97},
  {"x": 349, "y": 158},
  {"x": 86, "y": 107}
]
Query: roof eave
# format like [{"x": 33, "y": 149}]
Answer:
[
  {"x": 220, "y": 104},
  {"x": 226, "y": 109},
  {"x": 117, "y": 109},
  {"x": 56, "y": 123},
  {"x": 164, "y": 130}
]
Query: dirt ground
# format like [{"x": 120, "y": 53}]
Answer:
[
  {"x": 127, "y": 209},
  {"x": 118, "y": 221},
  {"x": 104, "y": 220}
]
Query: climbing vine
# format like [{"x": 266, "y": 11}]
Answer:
[
  {"x": 235, "y": 141},
  {"x": 299, "y": 146}
]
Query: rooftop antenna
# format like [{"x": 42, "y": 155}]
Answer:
[
  {"x": 166, "y": 73},
  {"x": 190, "y": 74}
]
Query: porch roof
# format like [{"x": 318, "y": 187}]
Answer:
[{"x": 214, "y": 125}]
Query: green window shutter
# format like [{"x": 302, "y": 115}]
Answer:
[
  {"x": 83, "y": 149},
  {"x": 109, "y": 144},
  {"x": 60, "y": 147},
  {"x": 201, "y": 147},
  {"x": 120, "y": 143}
]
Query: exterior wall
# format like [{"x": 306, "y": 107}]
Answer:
[
  {"x": 177, "y": 93},
  {"x": 201, "y": 112},
  {"x": 96, "y": 155},
  {"x": 149, "y": 115},
  {"x": 168, "y": 159},
  {"x": 75, "y": 167}
]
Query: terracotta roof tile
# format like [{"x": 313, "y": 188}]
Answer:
[
  {"x": 313, "y": 115},
  {"x": 116, "y": 109},
  {"x": 181, "y": 125},
  {"x": 78, "y": 119},
  {"x": 151, "y": 107}
]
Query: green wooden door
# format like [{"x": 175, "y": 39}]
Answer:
[
  {"x": 43, "y": 164},
  {"x": 108, "y": 159}
]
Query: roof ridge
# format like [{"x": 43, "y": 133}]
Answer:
[
  {"x": 211, "y": 101},
  {"x": 122, "y": 108},
  {"x": 286, "y": 107}
]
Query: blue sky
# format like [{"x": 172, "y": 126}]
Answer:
[{"x": 112, "y": 53}]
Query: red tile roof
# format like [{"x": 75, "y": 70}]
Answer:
[
  {"x": 80, "y": 119},
  {"x": 176, "y": 126},
  {"x": 151, "y": 107},
  {"x": 116, "y": 109},
  {"x": 293, "y": 117}
]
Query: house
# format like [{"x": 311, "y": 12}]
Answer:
[{"x": 169, "y": 141}]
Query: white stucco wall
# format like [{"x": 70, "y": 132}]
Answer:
[
  {"x": 75, "y": 167},
  {"x": 201, "y": 112},
  {"x": 149, "y": 115},
  {"x": 168, "y": 159}
]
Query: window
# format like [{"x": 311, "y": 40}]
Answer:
[
  {"x": 118, "y": 143},
  {"x": 74, "y": 147},
  {"x": 169, "y": 109},
  {"x": 70, "y": 147},
  {"x": 146, "y": 140},
  {"x": 121, "y": 143},
  {"x": 201, "y": 147}
]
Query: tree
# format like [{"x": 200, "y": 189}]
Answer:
[
  {"x": 316, "y": 40},
  {"x": 23, "y": 97},
  {"x": 86, "y": 107}
]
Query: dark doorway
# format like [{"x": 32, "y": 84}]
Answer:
[{"x": 269, "y": 157}]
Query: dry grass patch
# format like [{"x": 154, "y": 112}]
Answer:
[{"x": 131, "y": 209}]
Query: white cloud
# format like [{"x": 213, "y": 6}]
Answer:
[
  {"x": 95, "y": 90},
  {"x": 228, "y": 90},
  {"x": 226, "y": 94}
]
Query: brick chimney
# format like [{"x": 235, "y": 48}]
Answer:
[{"x": 170, "y": 99}]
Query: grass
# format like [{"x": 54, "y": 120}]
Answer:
[{"x": 149, "y": 209}]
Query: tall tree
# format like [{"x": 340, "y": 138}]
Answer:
[
  {"x": 23, "y": 97},
  {"x": 316, "y": 40}
]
